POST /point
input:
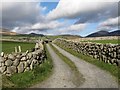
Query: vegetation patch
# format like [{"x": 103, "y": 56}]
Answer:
[
  {"x": 9, "y": 46},
  {"x": 29, "y": 78},
  {"x": 113, "y": 69},
  {"x": 78, "y": 77},
  {"x": 104, "y": 41}
]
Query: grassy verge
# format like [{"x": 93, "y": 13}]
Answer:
[
  {"x": 113, "y": 69},
  {"x": 104, "y": 41},
  {"x": 77, "y": 78},
  {"x": 29, "y": 78}
]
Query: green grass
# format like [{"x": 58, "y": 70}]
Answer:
[
  {"x": 9, "y": 46},
  {"x": 78, "y": 78},
  {"x": 65, "y": 59},
  {"x": 37, "y": 75},
  {"x": 113, "y": 69},
  {"x": 103, "y": 41}
]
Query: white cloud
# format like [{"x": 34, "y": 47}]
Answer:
[
  {"x": 109, "y": 24},
  {"x": 29, "y": 0},
  {"x": 47, "y": 25},
  {"x": 77, "y": 27},
  {"x": 78, "y": 8},
  {"x": 72, "y": 29},
  {"x": 39, "y": 27}
]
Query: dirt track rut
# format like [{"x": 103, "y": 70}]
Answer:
[
  {"x": 62, "y": 74},
  {"x": 94, "y": 76}
]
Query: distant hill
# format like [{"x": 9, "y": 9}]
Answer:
[
  {"x": 104, "y": 33},
  {"x": 115, "y": 33},
  {"x": 34, "y": 34},
  {"x": 4, "y": 31}
]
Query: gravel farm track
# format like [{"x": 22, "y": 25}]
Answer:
[{"x": 62, "y": 74}]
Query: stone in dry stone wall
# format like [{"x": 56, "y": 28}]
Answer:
[
  {"x": 109, "y": 53},
  {"x": 21, "y": 62},
  {"x": 8, "y": 63}
]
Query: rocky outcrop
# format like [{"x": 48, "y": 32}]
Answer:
[
  {"x": 108, "y": 53},
  {"x": 21, "y": 62}
]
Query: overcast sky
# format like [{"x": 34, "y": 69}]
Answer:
[{"x": 76, "y": 17}]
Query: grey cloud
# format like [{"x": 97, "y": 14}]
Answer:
[
  {"x": 16, "y": 14},
  {"x": 110, "y": 24},
  {"x": 100, "y": 15}
]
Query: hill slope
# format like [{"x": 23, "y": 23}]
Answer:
[{"x": 104, "y": 33}]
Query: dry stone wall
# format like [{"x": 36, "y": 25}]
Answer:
[
  {"x": 21, "y": 62},
  {"x": 106, "y": 52}
]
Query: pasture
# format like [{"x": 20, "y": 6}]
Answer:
[
  {"x": 104, "y": 41},
  {"x": 9, "y": 46}
]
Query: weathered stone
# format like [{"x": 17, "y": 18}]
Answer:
[
  {"x": 11, "y": 57},
  {"x": 32, "y": 65},
  {"x": 24, "y": 54},
  {"x": 11, "y": 70},
  {"x": 28, "y": 61},
  {"x": 8, "y": 63},
  {"x": 26, "y": 64},
  {"x": 34, "y": 55},
  {"x": 95, "y": 56},
  {"x": 2, "y": 59},
  {"x": 35, "y": 61},
  {"x": 3, "y": 64},
  {"x": 2, "y": 69},
  {"x": 106, "y": 52},
  {"x": 38, "y": 58},
  {"x": 114, "y": 54},
  {"x": 27, "y": 69},
  {"x": 0, "y": 64},
  {"x": 118, "y": 62},
  {"x": 5, "y": 57},
  {"x": 20, "y": 67},
  {"x": 36, "y": 45},
  {"x": 4, "y": 72},
  {"x": 23, "y": 59},
  {"x": 30, "y": 55},
  {"x": 16, "y": 62},
  {"x": 18, "y": 56}
]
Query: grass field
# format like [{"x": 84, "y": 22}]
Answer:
[
  {"x": 113, "y": 69},
  {"x": 104, "y": 41},
  {"x": 9, "y": 46}
]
